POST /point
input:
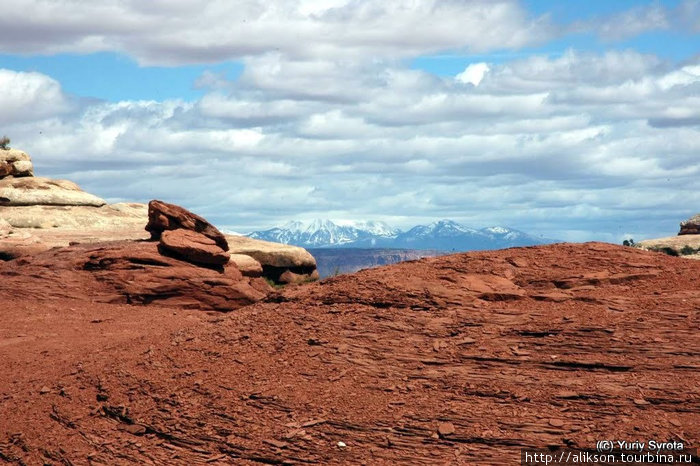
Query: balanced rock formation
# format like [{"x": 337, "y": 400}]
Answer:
[
  {"x": 163, "y": 216},
  {"x": 14, "y": 162},
  {"x": 193, "y": 247},
  {"x": 691, "y": 226}
]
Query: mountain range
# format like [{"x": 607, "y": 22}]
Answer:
[{"x": 444, "y": 235}]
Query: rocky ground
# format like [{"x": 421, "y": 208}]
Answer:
[{"x": 461, "y": 359}]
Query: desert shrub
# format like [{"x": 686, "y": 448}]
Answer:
[
  {"x": 4, "y": 143},
  {"x": 628, "y": 242},
  {"x": 688, "y": 250},
  {"x": 665, "y": 250}
]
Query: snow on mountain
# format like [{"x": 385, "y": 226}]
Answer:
[
  {"x": 444, "y": 235},
  {"x": 318, "y": 233},
  {"x": 377, "y": 228}
]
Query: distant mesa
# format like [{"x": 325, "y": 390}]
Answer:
[{"x": 691, "y": 226}]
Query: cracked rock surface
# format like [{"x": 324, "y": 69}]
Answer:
[{"x": 460, "y": 359}]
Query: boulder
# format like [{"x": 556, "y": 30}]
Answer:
[
  {"x": 271, "y": 254},
  {"x": 14, "y": 162},
  {"x": 247, "y": 265},
  {"x": 163, "y": 216},
  {"x": 691, "y": 226},
  {"x": 193, "y": 247},
  {"x": 276, "y": 259},
  {"x": 30, "y": 191}
]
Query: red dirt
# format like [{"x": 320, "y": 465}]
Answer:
[{"x": 460, "y": 359}]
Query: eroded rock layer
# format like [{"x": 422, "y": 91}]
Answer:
[{"x": 461, "y": 359}]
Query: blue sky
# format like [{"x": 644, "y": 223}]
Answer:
[{"x": 573, "y": 120}]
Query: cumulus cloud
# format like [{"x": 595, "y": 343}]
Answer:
[
  {"x": 473, "y": 74},
  {"x": 188, "y": 31},
  {"x": 29, "y": 97},
  {"x": 572, "y": 146},
  {"x": 326, "y": 119}
]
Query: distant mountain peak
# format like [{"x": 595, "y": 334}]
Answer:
[{"x": 444, "y": 234}]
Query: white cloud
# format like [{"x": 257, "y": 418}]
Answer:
[
  {"x": 473, "y": 74},
  {"x": 29, "y": 97},
  {"x": 196, "y": 32},
  {"x": 334, "y": 123},
  {"x": 633, "y": 22}
]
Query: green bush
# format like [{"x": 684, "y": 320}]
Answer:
[
  {"x": 4, "y": 143},
  {"x": 628, "y": 242},
  {"x": 688, "y": 250},
  {"x": 665, "y": 250}
]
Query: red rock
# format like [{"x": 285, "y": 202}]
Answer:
[
  {"x": 446, "y": 428},
  {"x": 289, "y": 277},
  {"x": 163, "y": 216},
  {"x": 126, "y": 272},
  {"x": 193, "y": 247}
]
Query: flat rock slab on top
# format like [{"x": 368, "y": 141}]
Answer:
[
  {"x": 29, "y": 191},
  {"x": 193, "y": 247},
  {"x": 163, "y": 216},
  {"x": 272, "y": 254}
]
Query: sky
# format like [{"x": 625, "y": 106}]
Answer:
[{"x": 575, "y": 120}]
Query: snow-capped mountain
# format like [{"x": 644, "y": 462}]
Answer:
[
  {"x": 445, "y": 235},
  {"x": 324, "y": 233}
]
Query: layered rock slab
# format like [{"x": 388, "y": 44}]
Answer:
[
  {"x": 32, "y": 190},
  {"x": 444, "y": 376},
  {"x": 128, "y": 272},
  {"x": 193, "y": 247},
  {"x": 163, "y": 216}
]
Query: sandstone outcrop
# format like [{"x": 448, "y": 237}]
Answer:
[
  {"x": 193, "y": 247},
  {"x": 275, "y": 258},
  {"x": 41, "y": 213},
  {"x": 31, "y": 191},
  {"x": 133, "y": 273},
  {"x": 691, "y": 226},
  {"x": 247, "y": 265},
  {"x": 114, "y": 217},
  {"x": 163, "y": 216},
  {"x": 14, "y": 162}
]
